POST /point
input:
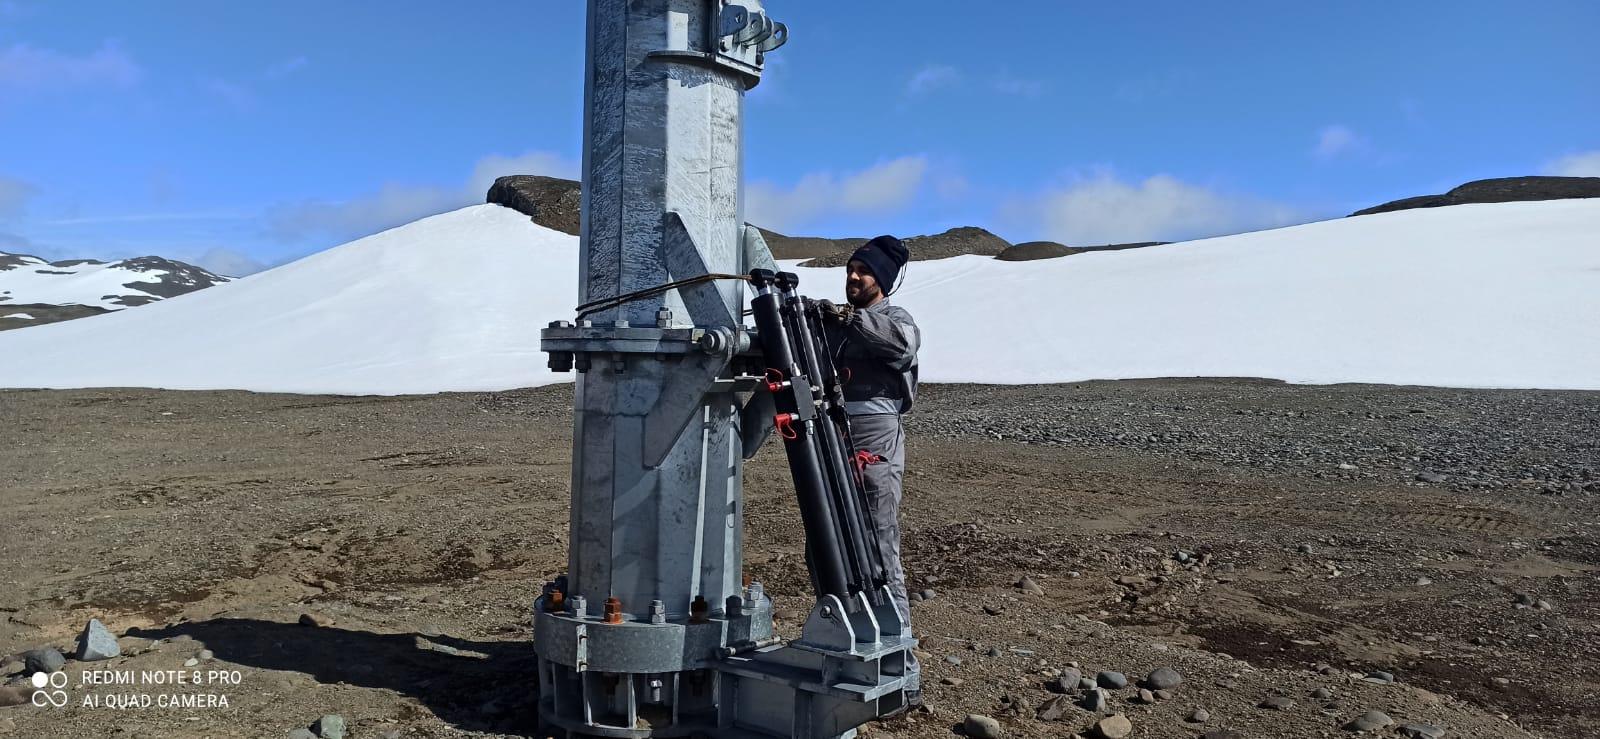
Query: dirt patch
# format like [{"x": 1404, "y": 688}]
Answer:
[{"x": 1165, "y": 527}]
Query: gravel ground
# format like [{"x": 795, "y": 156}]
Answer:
[{"x": 375, "y": 557}]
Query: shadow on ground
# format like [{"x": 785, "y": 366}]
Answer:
[{"x": 473, "y": 685}]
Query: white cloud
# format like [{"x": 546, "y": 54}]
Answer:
[
  {"x": 14, "y": 244},
  {"x": 882, "y": 188},
  {"x": 932, "y": 77},
  {"x": 1006, "y": 84},
  {"x": 25, "y": 67},
  {"x": 1584, "y": 164},
  {"x": 1336, "y": 140},
  {"x": 237, "y": 96},
  {"x": 286, "y": 67},
  {"x": 1106, "y": 210},
  {"x": 14, "y": 196},
  {"x": 397, "y": 204},
  {"x": 392, "y": 205},
  {"x": 535, "y": 162},
  {"x": 228, "y": 262}
]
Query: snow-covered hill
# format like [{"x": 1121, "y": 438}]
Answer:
[
  {"x": 95, "y": 286},
  {"x": 1503, "y": 295}
]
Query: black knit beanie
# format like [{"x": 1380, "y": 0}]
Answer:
[{"x": 884, "y": 256}]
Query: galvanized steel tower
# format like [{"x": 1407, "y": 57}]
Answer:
[{"x": 653, "y": 631}]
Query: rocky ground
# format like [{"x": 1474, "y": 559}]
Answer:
[{"x": 1300, "y": 556}]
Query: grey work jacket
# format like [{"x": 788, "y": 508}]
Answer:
[{"x": 877, "y": 353}]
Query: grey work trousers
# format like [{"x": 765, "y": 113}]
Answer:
[{"x": 882, "y": 434}]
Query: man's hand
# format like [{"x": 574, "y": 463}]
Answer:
[{"x": 840, "y": 314}]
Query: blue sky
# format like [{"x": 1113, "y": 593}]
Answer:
[{"x": 246, "y": 134}]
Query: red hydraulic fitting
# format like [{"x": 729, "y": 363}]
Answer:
[
  {"x": 555, "y": 602},
  {"x": 613, "y": 611},
  {"x": 785, "y": 424},
  {"x": 775, "y": 381}
]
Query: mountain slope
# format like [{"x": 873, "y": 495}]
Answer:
[
  {"x": 74, "y": 288},
  {"x": 1476, "y": 295}
]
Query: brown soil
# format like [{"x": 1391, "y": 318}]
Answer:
[{"x": 422, "y": 527}]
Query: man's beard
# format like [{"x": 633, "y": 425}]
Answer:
[{"x": 862, "y": 297}]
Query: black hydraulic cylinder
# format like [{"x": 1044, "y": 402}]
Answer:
[
  {"x": 838, "y": 457},
  {"x": 800, "y": 446},
  {"x": 838, "y": 423}
]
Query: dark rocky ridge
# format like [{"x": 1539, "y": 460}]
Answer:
[
  {"x": 43, "y": 313},
  {"x": 551, "y": 202},
  {"x": 556, "y": 204},
  {"x": 952, "y": 243},
  {"x": 175, "y": 278},
  {"x": 1498, "y": 190},
  {"x": 1031, "y": 250}
]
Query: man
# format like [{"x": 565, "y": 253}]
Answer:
[{"x": 875, "y": 348}]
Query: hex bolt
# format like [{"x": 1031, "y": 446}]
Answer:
[
  {"x": 613, "y": 610},
  {"x": 658, "y": 612},
  {"x": 619, "y": 324},
  {"x": 664, "y": 317},
  {"x": 756, "y": 593},
  {"x": 735, "y": 606},
  {"x": 699, "y": 610},
  {"x": 580, "y": 606}
]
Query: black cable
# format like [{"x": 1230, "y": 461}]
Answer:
[{"x": 595, "y": 306}]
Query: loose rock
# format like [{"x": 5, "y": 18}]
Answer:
[
  {"x": 1027, "y": 585},
  {"x": 979, "y": 726},
  {"x": 1322, "y": 694},
  {"x": 1369, "y": 721},
  {"x": 43, "y": 659},
  {"x": 301, "y": 733},
  {"x": 1113, "y": 680},
  {"x": 952, "y": 659},
  {"x": 13, "y": 667},
  {"x": 330, "y": 726},
  {"x": 1199, "y": 716},
  {"x": 1379, "y": 677},
  {"x": 1164, "y": 678},
  {"x": 1054, "y": 709},
  {"x": 1163, "y": 695},
  {"x": 1277, "y": 703},
  {"x": 96, "y": 642},
  {"x": 1094, "y": 699},
  {"x": 1116, "y": 726},
  {"x": 954, "y": 682}
]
